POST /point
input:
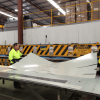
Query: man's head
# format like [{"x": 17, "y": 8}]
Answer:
[{"x": 16, "y": 46}]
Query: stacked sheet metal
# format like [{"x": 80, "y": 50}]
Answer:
[{"x": 78, "y": 74}]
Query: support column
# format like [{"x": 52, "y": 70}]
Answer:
[{"x": 20, "y": 22}]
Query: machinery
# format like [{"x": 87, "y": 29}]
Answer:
[{"x": 56, "y": 52}]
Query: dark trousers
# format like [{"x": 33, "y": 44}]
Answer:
[
  {"x": 98, "y": 74},
  {"x": 99, "y": 67},
  {"x": 97, "y": 98},
  {"x": 15, "y": 83}
]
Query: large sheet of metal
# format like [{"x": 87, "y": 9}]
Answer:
[
  {"x": 78, "y": 74},
  {"x": 81, "y": 67}
]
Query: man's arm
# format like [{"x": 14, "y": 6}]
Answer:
[
  {"x": 10, "y": 56},
  {"x": 20, "y": 53}
]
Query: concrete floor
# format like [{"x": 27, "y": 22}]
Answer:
[{"x": 8, "y": 92}]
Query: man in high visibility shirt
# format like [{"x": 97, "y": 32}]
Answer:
[
  {"x": 98, "y": 66},
  {"x": 14, "y": 56},
  {"x": 98, "y": 69}
]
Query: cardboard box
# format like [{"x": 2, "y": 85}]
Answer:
[
  {"x": 78, "y": 10},
  {"x": 99, "y": 9},
  {"x": 84, "y": 15},
  {"x": 72, "y": 11},
  {"x": 95, "y": 14},
  {"x": 83, "y": 8},
  {"x": 83, "y": 1},
  {"x": 68, "y": 18}
]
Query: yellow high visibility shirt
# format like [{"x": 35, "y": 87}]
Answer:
[
  {"x": 13, "y": 54},
  {"x": 99, "y": 60}
]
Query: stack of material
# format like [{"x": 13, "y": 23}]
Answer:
[
  {"x": 78, "y": 10},
  {"x": 10, "y": 26},
  {"x": 95, "y": 14},
  {"x": 67, "y": 18},
  {"x": 99, "y": 9},
  {"x": 72, "y": 11},
  {"x": 83, "y": 8}
]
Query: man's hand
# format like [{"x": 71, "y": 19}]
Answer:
[{"x": 98, "y": 69}]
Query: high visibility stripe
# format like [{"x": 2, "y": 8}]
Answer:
[
  {"x": 57, "y": 50},
  {"x": 24, "y": 49},
  {"x": 30, "y": 50},
  {"x": 64, "y": 50},
  {"x": 38, "y": 49},
  {"x": 46, "y": 50},
  {"x": 27, "y": 50}
]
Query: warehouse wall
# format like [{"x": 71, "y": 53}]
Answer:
[
  {"x": 76, "y": 33},
  {"x": 8, "y": 37}
]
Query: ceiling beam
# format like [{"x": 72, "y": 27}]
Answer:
[
  {"x": 7, "y": 10},
  {"x": 4, "y": 2},
  {"x": 16, "y": 14},
  {"x": 37, "y": 22},
  {"x": 3, "y": 19},
  {"x": 38, "y": 16},
  {"x": 41, "y": 10}
]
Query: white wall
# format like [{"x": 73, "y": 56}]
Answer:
[
  {"x": 8, "y": 37},
  {"x": 76, "y": 33}
]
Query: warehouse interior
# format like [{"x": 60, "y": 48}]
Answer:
[{"x": 57, "y": 31}]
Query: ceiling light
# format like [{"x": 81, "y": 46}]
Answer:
[
  {"x": 57, "y": 6},
  {"x": 16, "y": 10},
  {"x": 27, "y": 7},
  {"x": 8, "y": 15}
]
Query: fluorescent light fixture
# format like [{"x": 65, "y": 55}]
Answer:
[
  {"x": 8, "y": 15},
  {"x": 16, "y": 10},
  {"x": 27, "y": 7},
  {"x": 57, "y": 6}
]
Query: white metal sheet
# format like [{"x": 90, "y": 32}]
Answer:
[{"x": 80, "y": 67}]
